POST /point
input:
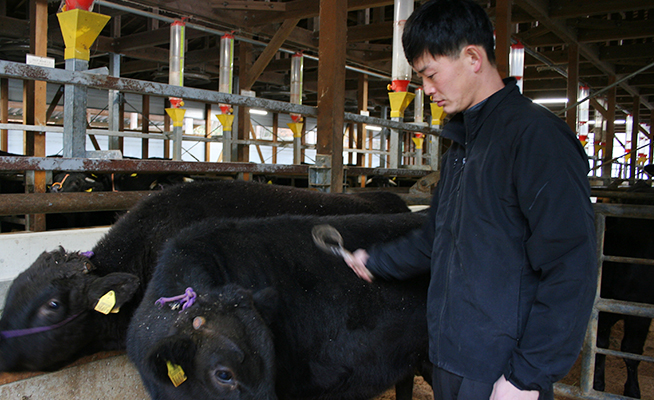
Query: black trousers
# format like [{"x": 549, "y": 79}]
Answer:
[{"x": 449, "y": 386}]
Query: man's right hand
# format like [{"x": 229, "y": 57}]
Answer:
[{"x": 357, "y": 262}]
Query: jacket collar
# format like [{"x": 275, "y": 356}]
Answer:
[{"x": 463, "y": 127}]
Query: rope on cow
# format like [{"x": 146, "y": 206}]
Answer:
[{"x": 186, "y": 300}]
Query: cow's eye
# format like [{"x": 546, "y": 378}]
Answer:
[
  {"x": 224, "y": 375},
  {"x": 54, "y": 305}
]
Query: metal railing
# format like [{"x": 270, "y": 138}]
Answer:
[{"x": 590, "y": 350}]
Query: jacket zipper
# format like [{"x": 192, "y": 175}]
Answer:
[{"x": 457, "y": 209}]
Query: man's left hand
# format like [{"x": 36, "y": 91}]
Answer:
[{"x": 504, "y": 390}]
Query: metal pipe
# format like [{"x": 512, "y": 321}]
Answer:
[
  {"x": 49, "y": 203},
  {"x": 32, "y": 72}
]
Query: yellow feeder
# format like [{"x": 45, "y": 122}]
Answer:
[
  {"x": 399, "y": 102},
  {"x": 296, "y": 127},
  {"x": 437, "y": 114},
  {"x": 583, "y": 139},
  {"x": 418, "y": 142},
  {"x": 80, "y": 28},
  {"x": 177, "y": 115},
  {"x": 226, "y": 120}
]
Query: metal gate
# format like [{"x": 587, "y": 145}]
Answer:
[{"x": 585, "y": 389}]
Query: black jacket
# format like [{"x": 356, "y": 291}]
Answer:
[{"x": 510, "y": 243}]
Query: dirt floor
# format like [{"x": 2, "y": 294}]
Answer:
[{"x": 615, "y": 373}]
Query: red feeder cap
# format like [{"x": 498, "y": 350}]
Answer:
[
  {"x": 81, "y": 4},
  {"x": 399, "y": 85}
]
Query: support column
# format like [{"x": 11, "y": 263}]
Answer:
[
  {"x": 35, "y": 108},
  {"x": 207, "y": 131},
  {"x": 114, "y": 96},
  {"x": 331, "y": 90},
  {"x": 145, "y": 126},
  {"x": 114, "y": 100},
  {"x": 503, "y": 35},
  {"x": 573, "y": 85},
  {"x": 79, "y": 28},
  {"x": 635, "y": 131},
  {"x": 362, "y": 101},
  {"x": 244, "y": 64},
  {"x": 4, "y": 113},
  {"x": 610, "y": 130}
]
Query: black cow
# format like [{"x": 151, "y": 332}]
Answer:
[
  {"x": 274, "y": 316},
  {"x": 60, "y": 290},
  {"x": 626, "y": 237}
]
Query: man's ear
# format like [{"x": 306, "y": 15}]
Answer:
[
  {"x": 123, "y": 284},
  {"x": 474, "y": 55}
]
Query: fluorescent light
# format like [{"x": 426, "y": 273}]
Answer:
[
  {"x": 620, "y": 121},
  {"x": 551, "y": 101},
  {"x": 373, "y": 128},
  {"x": 258, "y": 112}
]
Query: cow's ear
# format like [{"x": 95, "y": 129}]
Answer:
[
  {"x": 171, "y": 352},
  {"x": 124, "y": 286},
  {"x": 266, "y": 302}
]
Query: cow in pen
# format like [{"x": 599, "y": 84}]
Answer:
[
  {"x": 253, "y": 310},
  {"x": 70, "y": 304}
]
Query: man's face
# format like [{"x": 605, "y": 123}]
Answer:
[{"x": 447, "y": 80}]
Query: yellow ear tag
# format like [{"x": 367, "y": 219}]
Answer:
[
  {"x": 106, "y": 303},
  {"x": 175, "y": 373}
]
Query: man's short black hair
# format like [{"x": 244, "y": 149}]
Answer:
[{"x": 444, "y": 27}]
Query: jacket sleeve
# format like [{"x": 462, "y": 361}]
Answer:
[
  {"x": 550, "y": 175},
  {"x": 409, "y": 255}
]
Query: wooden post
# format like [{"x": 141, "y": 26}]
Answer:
[
  {"x": 4, "y": 113},
  {"x": 610, "y": 129},
  {"x": 634, "y": 139},
  {"x": 331, "y": 86},
  {"x": 503, "y": 35},
  {"x": 275, "y": 139},
  {"x": 573, "y": 84},
  {"x": 35, "y": 106}
]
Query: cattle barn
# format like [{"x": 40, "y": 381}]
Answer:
[{"x": 108, "y": 104}]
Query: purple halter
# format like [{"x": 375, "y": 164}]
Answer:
[{"x": 31, "y": 331}]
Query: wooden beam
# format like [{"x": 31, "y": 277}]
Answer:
[
  {"x": 247, "y": 5},
  {"x": 331, "y": 86},
  {"x": 269, "y": 52},
  {"x": 540, "y": 10},
  {"x": 308, "y": 9},
  {"x": 583, "y": 8},
  {"x": 361, "y": 33},
  {"x": 148, "y": 39}
]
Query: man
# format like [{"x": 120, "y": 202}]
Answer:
[{"x": 510, "y": 242}]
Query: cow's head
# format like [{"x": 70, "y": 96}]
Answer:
[
  {"x": 79, "y": 182},
  {"x": 223, "y": 346},
  {"x": 49, "y": 307}
]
